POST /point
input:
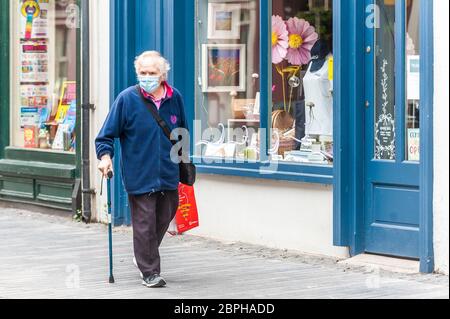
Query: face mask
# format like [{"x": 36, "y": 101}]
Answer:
[{"x": 149, "y": 83}]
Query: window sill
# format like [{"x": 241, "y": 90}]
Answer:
[
  {"x": 39, "y": 155},
  {"x": 37, "y": 169},
  {"x": 37, "y": 163},
  {"x": 303, "y": 173}
]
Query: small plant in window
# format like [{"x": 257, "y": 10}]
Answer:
[{"x": 322, "y": 19}]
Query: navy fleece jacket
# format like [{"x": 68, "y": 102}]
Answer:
[{"x": 146, "y": 165}]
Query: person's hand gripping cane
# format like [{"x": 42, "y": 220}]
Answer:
[{"x": 106, "y": 166}]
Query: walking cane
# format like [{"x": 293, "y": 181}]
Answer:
[{"x": 108, "y": 191}]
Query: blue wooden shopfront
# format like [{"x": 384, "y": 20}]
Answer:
[{"x": 381, "y": 205}]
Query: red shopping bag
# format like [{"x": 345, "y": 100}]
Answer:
[{"x": 187, "y": 214}]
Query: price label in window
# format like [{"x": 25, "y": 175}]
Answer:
[
  {"x": 414, "y": 144},
  {"x": 29, "y": 116}
]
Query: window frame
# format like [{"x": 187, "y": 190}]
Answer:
[{"x": 4, "y": 75}]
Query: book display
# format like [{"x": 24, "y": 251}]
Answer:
[{"x": 47, "y": 110}]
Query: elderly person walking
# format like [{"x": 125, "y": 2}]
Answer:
[{"x": 150, "y": 177}]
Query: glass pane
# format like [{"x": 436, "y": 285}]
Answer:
[
  {"x": 385, "y": 147},
  {"x": 44, "y": 88},
  {"x": 302, "y": 81},
  {"x": 227, "y": 95},
  {"x": 412, "y": 80}
]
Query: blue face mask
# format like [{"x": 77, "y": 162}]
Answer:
[{"x": 149, "y": 83}]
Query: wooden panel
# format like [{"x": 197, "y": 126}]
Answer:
[
  {"x": 16, "y": 187},
  {"x": 396, "y": 205},
  {"x": 48, "y": 191}
]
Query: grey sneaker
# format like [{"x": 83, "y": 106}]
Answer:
[
  {"x": 135, "y": 263},
  {"x": 154, "y": 281}
]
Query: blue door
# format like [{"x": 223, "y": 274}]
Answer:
[{"x": 392, "y": 128}]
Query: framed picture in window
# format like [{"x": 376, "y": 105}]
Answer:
[
  {"x": 224, "y": 67},
  {"x": 224, "y": 21}
]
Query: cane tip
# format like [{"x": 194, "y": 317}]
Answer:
[{"x": 111, "y": 280}]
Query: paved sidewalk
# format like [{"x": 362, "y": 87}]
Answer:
[{"x": 44, "y": 256}]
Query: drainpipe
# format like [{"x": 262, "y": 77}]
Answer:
[{"x": 87, "y": 191}]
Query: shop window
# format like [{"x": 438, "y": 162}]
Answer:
[
  {"x": 229, "y": 110},
  {"x": 227, "y": 98},
  {"x": 44, "y": 88},
  {"x": 385, "y": 86},
  {"x": 302, "y": 81},
  {"x": 388, "y": 94}
]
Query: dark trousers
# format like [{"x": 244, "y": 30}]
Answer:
[{"x": 151, "y": 215}]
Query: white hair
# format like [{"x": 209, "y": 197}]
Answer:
[{"x": 153, "y": 58}]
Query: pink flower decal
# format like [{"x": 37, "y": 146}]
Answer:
[
  {"x": 279, "y": 40},
  {"x": 302, "y": 37},
  {"x": 174, "y": 119}
]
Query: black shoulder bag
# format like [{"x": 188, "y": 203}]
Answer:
[{"x": 187, "y": 170}]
